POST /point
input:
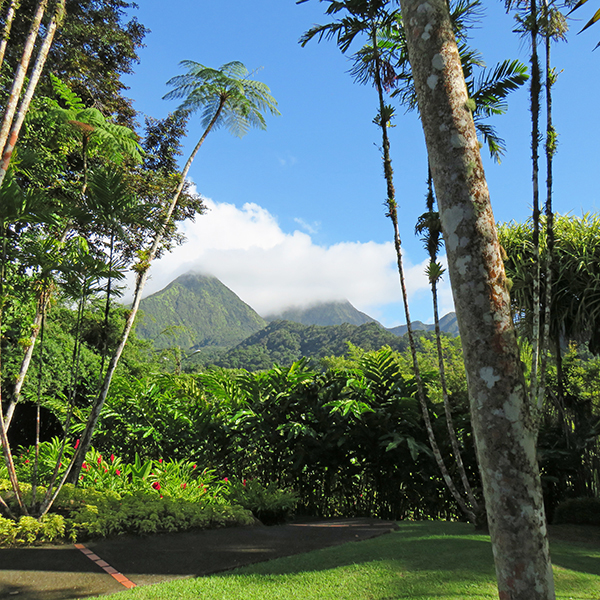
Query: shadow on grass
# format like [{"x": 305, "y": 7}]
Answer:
[
  {"x": 423, "y": 546},
  {"x": 428, "y": 546}
]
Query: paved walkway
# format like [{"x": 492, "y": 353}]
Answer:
[{"x": 109, "y": 566}]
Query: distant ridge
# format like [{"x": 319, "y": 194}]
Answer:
[
  {"x": 324, "y": 313},
  {"x": 448, "y": 324},
  {"x": 196, "y": 311}
]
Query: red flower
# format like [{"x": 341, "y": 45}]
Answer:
[
  {"x": 225, "y": 479},
  {"x": 77, "y": 444},
  {"x": 26, "y": 461},
  {"x": 81, "y": 477},
  {"x": 100, "y": 459},
  {"x": 184, "y": 485},
  {"x": 160, "y": 460},
  {"x": 105, "y": 470},
  {"x": 193, "y": 466},
  {"x": 156, "y": 485},
  {"x": 118, "y": 472},
  {"x": 84, "y": 465},
  {"x": 243, "y": 482},
  {"x": 112, "y": 458}
]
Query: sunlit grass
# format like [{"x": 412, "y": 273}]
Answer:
[{"x": 420, "y": 561}]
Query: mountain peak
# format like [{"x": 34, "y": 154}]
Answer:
[
  {"x": 196, "y": 310},
  {"x": 323, "y": 313}
]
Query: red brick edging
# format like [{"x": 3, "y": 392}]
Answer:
[{"x": 106, "y": 567}]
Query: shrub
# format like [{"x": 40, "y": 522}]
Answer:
[
  {"x": 268, "y": 504},
  {"x": 28, "y": 530},
  {"x": 578, "y": 511},
  {"x": 80, "y": 514}
]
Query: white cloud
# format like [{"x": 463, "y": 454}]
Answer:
[{"x": 270, "y": 270}]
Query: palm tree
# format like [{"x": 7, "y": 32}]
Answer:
[
  {"x": 370, "y": 17},
  {"x": 229, "y": 98},
  {"x": 430, "y": 227}
]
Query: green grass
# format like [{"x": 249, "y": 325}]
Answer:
[{"x": 420, "y": 561}]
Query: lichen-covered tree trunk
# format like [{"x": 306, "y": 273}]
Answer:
[{"x": 503, "y": 420}]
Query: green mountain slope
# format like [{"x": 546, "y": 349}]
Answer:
[
  {"x": 196, "y": 311},
  {"x": 325, "y": 313},
  {"x": 284, "y": 342}
]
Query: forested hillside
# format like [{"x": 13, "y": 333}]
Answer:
[
  {"x": 196, "y": 311},
  {"x": 283, "y": 342}
]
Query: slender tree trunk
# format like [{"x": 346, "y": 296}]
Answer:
[
  {"x": 41, "y": 308},
  {"x": 36, "y": 461},
  {"x": 448, "y": 410},
  {"x": 86, "y": 438},
  {"x": 6, "y": 451},
  {"x": 19, "y": 78},
  {"x": 10, "y": 16},
  {"x": 504, "y": 422},
  {"x": 550, "y": 151},
  {"x": 393, "y": 214},
  {"x": 534, "y": 91},
  {"x": 34, "y": 78}
]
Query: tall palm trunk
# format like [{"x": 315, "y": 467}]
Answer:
[
  {"x": 448, "y": 411},
  {"x": 104, "y": 348},
  {"x": 550, "y": 151},
  {"x": 504, "y": 422},
  {"x": 8, "y": 21},
  {"x": 86, "y": 438},
  {"x": 393, "y": 214},
  {"x": 9, "y": 145},
  {"x": 430, "y": 223},
  {"x": 535, "y": 89},
  {"x": 21, "y": 72}
]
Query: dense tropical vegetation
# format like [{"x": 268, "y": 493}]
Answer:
[{"x": 103, "y": 432}]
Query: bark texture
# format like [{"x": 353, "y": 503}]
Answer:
[{"x": 503, "y": 419}]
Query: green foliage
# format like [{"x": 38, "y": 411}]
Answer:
[
  {"x": 97, "y": 42},
  {"x": 349, "y": 440},
  {"x": 578, "y": 511},
  {"x": 575, "y": 276},
  {"x": 87, "y": 513},
  {"x": 27, "y": 530},
  {"x": 97, "y": 133},
  {"x": 268, "y": 503}
]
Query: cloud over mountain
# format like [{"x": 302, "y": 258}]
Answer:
[{"x": 271, "y": 270}]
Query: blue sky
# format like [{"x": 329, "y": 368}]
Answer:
[{"x": 297, "y": 211}]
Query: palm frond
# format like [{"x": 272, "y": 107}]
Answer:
[
  {"x": 228, "y": 94},
  {"x": 493, "y": 86},
  {"x": 496, "y": 145}
]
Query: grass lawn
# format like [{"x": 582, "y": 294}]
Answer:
[{"x": 420, "y": 561}]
